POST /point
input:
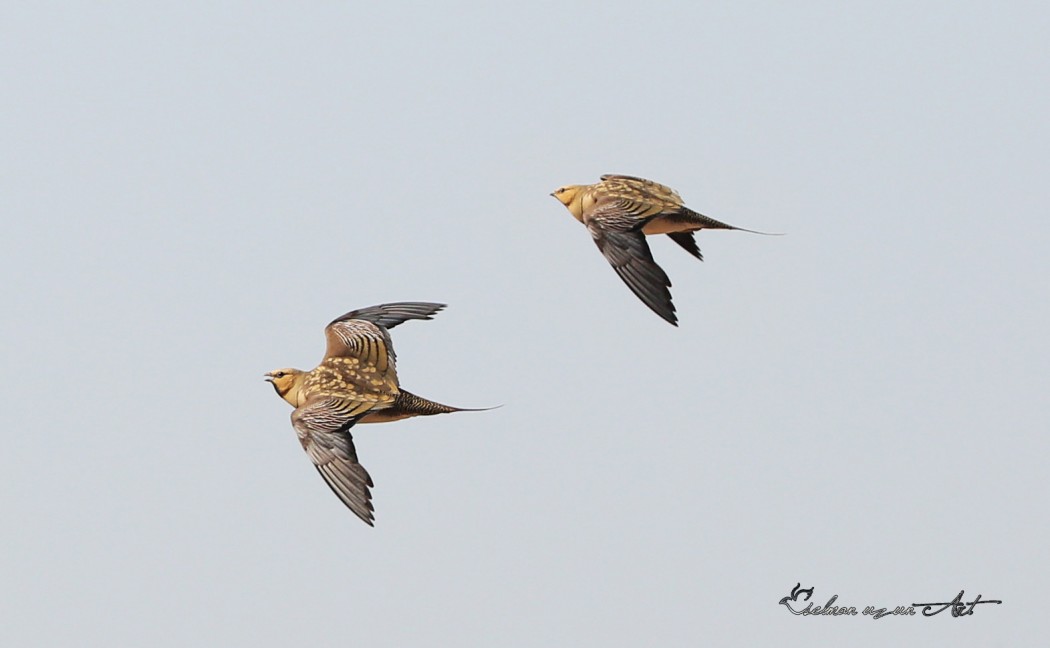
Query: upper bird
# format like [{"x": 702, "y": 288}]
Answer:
[
  {"x": 356, "y": 382},
  {"x": 619, "y": 211}
]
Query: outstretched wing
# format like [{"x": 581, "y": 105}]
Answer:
[
  {"x": 362, "y": 333},
  {"x": 629, "y": 255},
  {"x": 369, "y": 344},
  {"x": 390, "y": 315},
  {"x": 323, "y": 428}
]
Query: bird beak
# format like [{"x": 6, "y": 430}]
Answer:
[
  {"x": 268, "y": 377},
  {"x": 551, "y": 194}
]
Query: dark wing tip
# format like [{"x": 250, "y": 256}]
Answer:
[
  {"x": 630, "y": 257},
  {"x": 668, "y": 316},
  {"x": 622, "y": 176},
  {"x": 350, "y": 482},
  {"x": 394, "y": 313},
  {"x": 688, "y": 242},
  {"x": 642, "y": 279}
]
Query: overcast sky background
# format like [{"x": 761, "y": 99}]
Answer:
[{"x": 191, "y": 192}]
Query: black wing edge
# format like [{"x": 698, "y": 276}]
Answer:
[
  {"x": 392, "y": 314},
  {"x": 351, "y": 483},
  {"x": 688, "y": 243},
  {"x": 621, "y": 176},
  {"x": 630, "y": 257}
]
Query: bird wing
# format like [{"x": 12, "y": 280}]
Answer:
[
  {"x": 390, "y": 315},
  {"x": 654, "y": 191},
  {"x": 630, "y": 257},
  {"x": 357, "y": 338},
  {"x": 688, "y": 243},
  {"x": 323, "y": 428},
  {"x": 362, "y": 333}
]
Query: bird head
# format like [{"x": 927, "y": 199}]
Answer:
[
  {"x": 572, "y": 197},
  {"x": 285, "y": 383}
]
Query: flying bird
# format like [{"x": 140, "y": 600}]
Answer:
[
  {"x": 620, "y": 211},
  {"x": 356, "y": 382}
]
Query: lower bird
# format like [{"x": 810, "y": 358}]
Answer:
[
  {"x": 619, "y": 211},
  {"x": 356, "y": 382}
]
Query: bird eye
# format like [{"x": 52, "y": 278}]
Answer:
[{"x": 279, "y": 374}]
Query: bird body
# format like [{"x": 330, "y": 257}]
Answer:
[
  {"x": 356, "y": 382},
  {"x": 620, "y": 211}
]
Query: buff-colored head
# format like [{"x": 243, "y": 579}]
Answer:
[
  {"x": 572, "y": 197},
  {"x": 286, "y": 383}
]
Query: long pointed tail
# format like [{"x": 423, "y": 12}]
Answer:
[
  {"x": 710, "y": 223},
  {"x": 408, "y": 405}
]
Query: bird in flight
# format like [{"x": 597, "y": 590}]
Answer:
[
  {"x": 356, "y": 382},
  {"x": 619, "y": 211}
]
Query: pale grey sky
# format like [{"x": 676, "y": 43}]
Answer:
[{"x": 191, "y": 191}]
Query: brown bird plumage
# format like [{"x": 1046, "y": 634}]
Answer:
[
  {"x": 356, "y": 382},
  {"x": 620, "y": 211}
]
